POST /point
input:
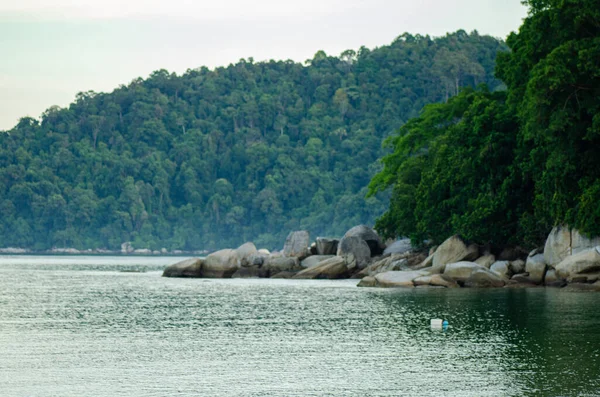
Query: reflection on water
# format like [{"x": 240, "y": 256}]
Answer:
[{"x": 73, "y": 329}]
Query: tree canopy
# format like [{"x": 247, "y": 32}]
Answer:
[
  {"x": 212, "y": 158},
  {"x": 505, "y": 167}
]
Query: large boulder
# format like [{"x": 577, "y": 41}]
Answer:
[
  {"x": 356, "y": 246},
  {"x": 333, "y": 268},
  {"x": 486, "y": 260},
  {"x": 314, "y": 260},
  {"x": 461, "y": 271},
  {"x": 327, "y": 246},
  {"x": 484, "y": 278},
  {"x": 297, "y": 244},
  {"x": 453, "y": 250},
  {"x": 443, "y": 281},
  {"x": 583, "y": 262},
  {"x": 367, "y": 282},
  {"x": 187, "y": 268},
  {"x": 221, "y": 264},
  {"x": 399, "y": 247},
  {"x": 502, "y": 269},
  {"x": 244, "y": 252},
  {"x": 536, "y": 267},
  {"x": 277, "y": 264},
  {"x": 398, "y": 279},
  {"x": 563, "y": 242},
  {"x": 369, "y": 235}
]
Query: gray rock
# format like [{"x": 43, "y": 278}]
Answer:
[
  {"x": 453, "y": 250},
  {"x": 563, "y": 242},
  {"x": 314, "y": 260},
  {"x": 327, "y": 246},
  {"x": 461, "y": 271},
  {"x": 399, "y": 247},
  {"x": 517, "y": 266},
  {"x": 247, "y": 272},
  {"x": 484, "y": 278},
  {"x": 284, "y": 274},
  {"x": 187, "y": 268},
  {"x": 443, "y": 281},
  {"x": 501, "y": 268},
  {"x": 536, "y": 267},
  {"x": 356, "y": 246},
  {"x": 367, "y": 282},
  {"x": 423, "y": 280},
  {"x": 552, "y": 280},
  {"x": 255, "y": 260},
  {"x": 398, "y": 279},
  {"x": 369, "y": 235},
  {"x": 264, "y": 251},
  {"x": 333, "y": 268},
  {"x": 583, "y": 262},
  {"x": 486, "y": 260},
  {"x": 221, "y": 264},
  {"x": 244, "y": 252},
  {"x": 296, "y": 244},
  {"x": 278, "y": 264}
]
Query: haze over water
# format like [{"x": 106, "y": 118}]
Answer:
[{"x": 81, "y": 326}]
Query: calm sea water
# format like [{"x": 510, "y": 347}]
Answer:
[{"x": 81, "y": 326}]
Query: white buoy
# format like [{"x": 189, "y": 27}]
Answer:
[{"x": 436, "y": 323}]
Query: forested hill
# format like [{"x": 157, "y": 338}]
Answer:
[{"x": 213, "y": 158}]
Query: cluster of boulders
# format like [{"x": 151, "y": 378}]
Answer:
[
  {"x": 325, "y": 258},
  {"x": 568, "y": 258}
]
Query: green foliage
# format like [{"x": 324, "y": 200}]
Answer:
[
  {"x": 507, "y": 169},
  {"x": 213, "y": 158}
]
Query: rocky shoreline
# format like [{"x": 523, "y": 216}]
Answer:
[{"x": 568, "y": 259}]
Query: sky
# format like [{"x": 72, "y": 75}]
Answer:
[{"x": 52, "y": 49}]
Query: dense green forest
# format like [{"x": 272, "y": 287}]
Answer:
[
  {"x": 504, "y": 167},
  {"x": 213, "y": 158}
]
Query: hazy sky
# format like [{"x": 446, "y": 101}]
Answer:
[{"x": 52, "y": 49}]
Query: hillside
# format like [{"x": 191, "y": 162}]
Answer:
[{"x": 213, "y": 158}]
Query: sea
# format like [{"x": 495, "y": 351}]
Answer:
[{"x": 112, "y": 326}]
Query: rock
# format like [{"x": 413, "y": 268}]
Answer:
[
  {"x": 521, "y": 278},
  {"x": 369, "y": 235},
  {"x": 247, "y": 272},
  {"x": 277, "y": 264},
  {"x": 427, "y": 262},
  {"x": 583, "y": 262},
  {"x": 399, "y": 247},
  {"x": 461, "y": 271},
  {"x": 357, "y": 247},
  {"x": 584, "y": 278},
  {"x": 255, "y": 260},
  {"x": 332, "y": 268},
  {"x": 367, "y": 282},
  {"x": 517, "y": 266},
  {"x": 563, "y": 242},
  {"x": 126, "y": 248},
  {"x": 296, "y": 244},
  {"x": 264, "y": 251},
  {"x": 221, "y": 264},
  {"x": 501, "y": 268},
  {"x": 163, "y": 251},
  {"x": 423, "y": 280},
  {"x": 484, "y": 278},
  {"x": 583, "y": 287},
  {"x": 512, "y": 254},
  {"x": 314, "y": 260},
  {"x": 486, "y": 260},
  {"x": 536, "y": 267},
  {"x": 398, "y": 279},
  {"x": 453, "y": 250},
  {"x": 327, "y": 246},
  {"x": 443, "y": 281},
  {"x": 552, "y": 280},
  {"x": 535, "y": 251},
  {"x": 187, "y": 268},
  {"x": 284, "y": 274},
  {"x": 244, "y": 252},
  {"x": 142, "y": 251}
]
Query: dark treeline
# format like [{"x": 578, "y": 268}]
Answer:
[
  {"x": 504, "y": 167},
  {"x": 213, "y": 158}
]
